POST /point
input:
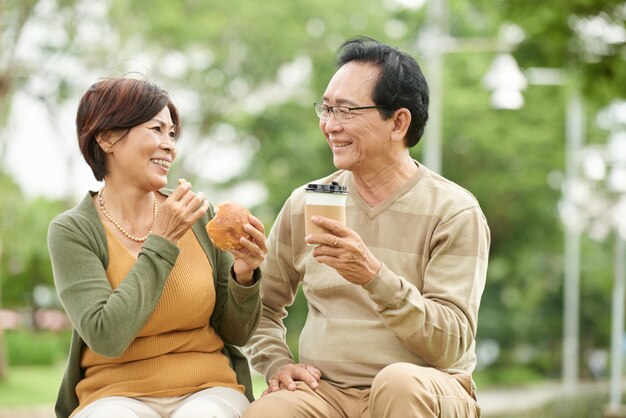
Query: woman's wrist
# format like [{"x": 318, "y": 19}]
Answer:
[{"x": 244, "y": 278}]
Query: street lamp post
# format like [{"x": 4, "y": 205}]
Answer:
[
  {"x": 574, "y": 133},
  {"x": 616, "y": 183},
  {"x": 617, "y": 329},
  {"x": 434, "y": 43},
  {"x": 597, "y": 204},
  {"x": 506, "y": 82}
]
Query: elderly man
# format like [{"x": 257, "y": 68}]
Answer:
[{"x": 393, "y": 295}]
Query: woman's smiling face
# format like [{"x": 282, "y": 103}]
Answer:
[{"x": 147, "y": 152}]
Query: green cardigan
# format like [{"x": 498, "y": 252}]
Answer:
[{"x": 109, "y": 320}]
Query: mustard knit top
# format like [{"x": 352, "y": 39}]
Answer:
[{"x": 177, "y": 352}]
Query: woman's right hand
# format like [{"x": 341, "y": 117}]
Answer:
[{"x": 179, "y": 212}]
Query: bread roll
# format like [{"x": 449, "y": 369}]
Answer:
[{"x": 226, "y": 228}]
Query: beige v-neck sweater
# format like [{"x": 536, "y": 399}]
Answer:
[{"x": 421, "y": 308}]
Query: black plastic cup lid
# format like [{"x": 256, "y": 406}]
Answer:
[{"x": 333, "y": 187}]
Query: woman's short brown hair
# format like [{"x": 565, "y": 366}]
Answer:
[{"x": 117, "y": 105}]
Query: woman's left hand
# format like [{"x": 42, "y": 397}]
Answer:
[{"x": 250, "y": 256}]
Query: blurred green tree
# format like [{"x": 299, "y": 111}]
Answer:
[{"x": 15, "y": 73}]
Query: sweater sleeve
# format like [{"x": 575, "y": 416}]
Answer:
[
  {"x": 439, "y": 323},
  {"x": 107, "y": 320},
  {"x": 268, "y": 350},
  {"x": 238, "y": 308}
]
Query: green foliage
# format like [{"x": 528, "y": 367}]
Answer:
[
  {"x": 588, "y": 405},
  {"x": 31, "y": 385},
  {"x": 507, "y": 376},
  {"x": 294, "y": 322},
  {"x": 292, "y": 153},
  {"x": 36, "y": 348},
  {"x": 246, "y": 44},
  {"x": 24, "y": 261},
  {"x": 552, "y": 41}
]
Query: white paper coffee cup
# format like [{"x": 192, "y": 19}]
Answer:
[{"x": 328, "y": 200}]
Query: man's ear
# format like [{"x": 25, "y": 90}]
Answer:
[{"x": 401, "y": 123}]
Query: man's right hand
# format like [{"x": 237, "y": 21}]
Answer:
[{"x": 287, "y": 376}]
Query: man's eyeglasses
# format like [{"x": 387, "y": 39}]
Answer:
[{"x": 342, "y": 113}]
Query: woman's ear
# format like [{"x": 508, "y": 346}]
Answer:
[
  {"x": 401, "y": 123},
  {"x": 106, "y": 140}
]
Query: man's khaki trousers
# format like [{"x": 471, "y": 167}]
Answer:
[{"x": 400, "y": 390}]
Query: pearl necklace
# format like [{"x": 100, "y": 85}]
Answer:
[{"x": 120, "y": 227}]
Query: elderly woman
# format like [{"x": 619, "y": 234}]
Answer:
[{"x": 157, "y": 310}]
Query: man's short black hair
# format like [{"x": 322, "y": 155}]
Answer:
[{"x": 401, "y": 83}]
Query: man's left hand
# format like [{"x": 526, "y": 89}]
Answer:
[{"x": 344, "y": 250}]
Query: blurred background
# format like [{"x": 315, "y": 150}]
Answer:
[{"x": 528, "y": 112}]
